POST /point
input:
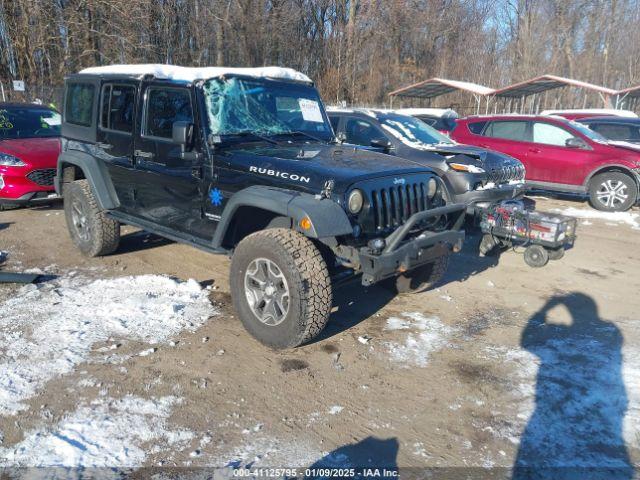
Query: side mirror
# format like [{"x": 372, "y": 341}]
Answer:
[
  {"x": 576, "y": 142},
  {"x": 381, "y": 143},
  {"x": 182, "y": 133}
]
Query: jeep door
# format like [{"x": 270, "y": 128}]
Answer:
[
  {"x": 115, "y": 137},
  {"x": 169, "y": 186}
]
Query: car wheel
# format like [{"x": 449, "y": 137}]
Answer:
[
  {"x": 419, "y": 279},
  {"x": 92, "y": 231},
  {"x": 536, "y": 256},
  {"x": 280, "y": 287},
  {"x": 612, "y": 192}
]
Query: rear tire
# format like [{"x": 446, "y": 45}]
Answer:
[
  {"x": 280, "y": 287},
  {"x": 556, "y": 254},
  {"x": 92, "y": 231},
  {"x": 613, "y": 192},
  {"x": 419, "y": 279}
]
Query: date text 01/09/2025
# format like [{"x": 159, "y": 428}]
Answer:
[{"x": 315, "y": 472}]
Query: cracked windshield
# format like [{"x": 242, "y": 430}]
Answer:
[
  {"x": 411, "y": 130},
  {"x": 238, "y": 106}
]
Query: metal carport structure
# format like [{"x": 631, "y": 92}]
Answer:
[
  {"x": 631, "y": 94},
  {"x": 533, "y": 87},
  {"x": 435, "y": 87}
]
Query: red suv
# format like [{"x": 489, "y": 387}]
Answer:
[
  {"x": 561, "y": 155},
  {"x": 29, "y": 149}
]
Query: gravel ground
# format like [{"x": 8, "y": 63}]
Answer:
[{"x": 136, "y": 359}]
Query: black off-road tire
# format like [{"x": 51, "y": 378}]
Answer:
[
  {"x": 101, "y": 234},
  {"x": 419, "y": 279},
  {"x": 604, "y": 181},
  {"x": 536, "y": 256},
  {"x": 307, "y": 277}
]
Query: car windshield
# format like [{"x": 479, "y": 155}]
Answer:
[
  {"x": 410, "y": 130},
  {"x": 28, "y": 122},
  {"x": 587, "y": 132},
  {"x": 237, "y": 106}
]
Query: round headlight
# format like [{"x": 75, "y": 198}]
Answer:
[
  {"x": 356, "y": 200},
  {"x": 432, "y": 188}
]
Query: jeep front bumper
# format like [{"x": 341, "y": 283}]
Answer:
[{"x": 401, "y": 255}]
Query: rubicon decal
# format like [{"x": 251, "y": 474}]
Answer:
[{"x": 276, "y": 173}]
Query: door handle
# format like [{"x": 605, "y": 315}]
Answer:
[
  {"x": 140, "y": 153},
  {"x": 104, "y": 146},
  {"x": 535, "y": 150}
]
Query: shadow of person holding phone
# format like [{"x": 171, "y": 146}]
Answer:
[{"x": 576, "y": 429}]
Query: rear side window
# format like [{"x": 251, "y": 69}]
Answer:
[
  {"x": 164, "y": 107},
  {"x": 476, "y": 127},
  {"x": 509, "y": 130},
  {"x": 117, "y": 107},
  {"x": 79, "y": 104}
]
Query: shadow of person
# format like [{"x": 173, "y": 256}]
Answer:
[
  {"x": 370, "y": 453},
  {"x": 576, "y": 429}
]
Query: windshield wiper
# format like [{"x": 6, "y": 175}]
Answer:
[
  {"x": 308, "y": 135},
  {"x": 257, "y": 136}
]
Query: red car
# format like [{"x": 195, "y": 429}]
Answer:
[
  {"x": 561, "y": 155},
  {"x": 29, "y": 149}
]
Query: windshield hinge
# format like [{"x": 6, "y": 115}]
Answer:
[{"x": 327, "y": 189}]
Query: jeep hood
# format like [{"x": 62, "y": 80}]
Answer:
[{"x": 318, "y": 163}]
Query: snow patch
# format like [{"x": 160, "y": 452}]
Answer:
[
  {"x": 426, "y": 335},
  {"x": 45, "y": 331},
  {"x": 190, "y": 74},
  {"x": 629, "y": 217},
  {"x": 105, "y": 433}
]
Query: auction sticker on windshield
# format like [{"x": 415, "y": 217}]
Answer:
[{"x": 310, "y": 110}]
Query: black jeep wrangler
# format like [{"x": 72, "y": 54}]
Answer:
[{"x": 244, "y": 161}]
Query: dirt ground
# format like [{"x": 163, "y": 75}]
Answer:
[{"x": 500, "y": 363}]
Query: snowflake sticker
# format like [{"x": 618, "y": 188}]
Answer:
[{"x": 216, "y": 197}]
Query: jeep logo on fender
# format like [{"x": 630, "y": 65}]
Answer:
[{"x": 276, "y": 173}]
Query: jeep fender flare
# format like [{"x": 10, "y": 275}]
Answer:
[
  {"x": 328, "y": 219},
  {"x": 94, "y": 171}
]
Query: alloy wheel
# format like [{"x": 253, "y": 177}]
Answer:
[{"x": 267, "y": 291}]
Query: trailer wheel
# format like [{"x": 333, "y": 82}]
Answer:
[
  {"x": 536, "y": 256},
  {"x": 556, "y": 254}
]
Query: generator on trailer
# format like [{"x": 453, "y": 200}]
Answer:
[{"x": 544, "y": 236}]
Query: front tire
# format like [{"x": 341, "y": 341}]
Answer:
[
  {"x": 419, "y": 279},
  {"x": 92, "y": 231},
  {"x": 612, "y": 192},
  {"x": 280, "y": 287}
]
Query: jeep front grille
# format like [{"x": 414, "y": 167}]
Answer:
[
  {"x": 394, "y": 205},
  {"x": 43, "y": 177}
]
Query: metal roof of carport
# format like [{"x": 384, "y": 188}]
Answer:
[
  {"x": 434, "y": 87},
  {"x": 548, "y": 82},
  {"x": 630, "y": 92}
]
